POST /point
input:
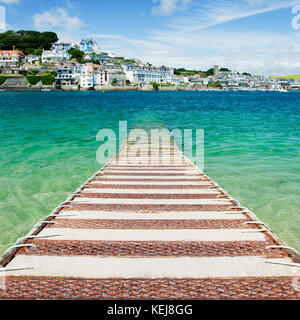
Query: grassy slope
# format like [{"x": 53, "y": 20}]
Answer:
[{"x": 291, "y": 77}]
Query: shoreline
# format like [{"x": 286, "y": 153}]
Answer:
[
  {"x": 4, "y": 89},
  {"x": 19, "y": 83}
]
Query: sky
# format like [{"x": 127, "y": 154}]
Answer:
[{"x": 256, "y": 36}]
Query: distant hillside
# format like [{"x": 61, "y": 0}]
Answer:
[
  {"x": 290, "y": 77},
  {"x": 186, "y": 73}
]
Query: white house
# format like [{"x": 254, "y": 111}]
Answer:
[
  {"x": 62, "y": 46},
  {"x": 10, "y": 58},
  {"x": 87, "y": 79},
  {"x": 31, "y": 58},
  {"x": 85, "y": 75},
  {"x": 89, "y": 46},
  {"x": 55, "y": 56},
  {"x": 99, "y": 78},
  {"x": 58, "y": 53},
  {"x": 66, "y": 76},
  {"x": 147, "y": 74}
]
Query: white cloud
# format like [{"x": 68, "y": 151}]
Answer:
[
  {"x": 211, "y": 13},
  {"x": 57, "y": 17},
  {"x": 168, "y": 7},
  {"x": 70, "y": 4},
  {"x": 254, "y": 52},
  {"x": 60, "y": 21},
  {"x": 105, "y": 36},
  {"x": 188, "y": 41},
  {"x": 10, "y": 1}
]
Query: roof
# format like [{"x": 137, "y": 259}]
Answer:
[{"x": 11, "y": 52}]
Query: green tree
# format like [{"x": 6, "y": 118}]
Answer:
[
  {"x": 76, "y": 54},
  {"x": 33, "y": 80},
  {"x": 2, "y": 80},
  {"x": 216, "y": 84},
  {"x": 179, "y": 71},
  {"x": 27, "y": 41},
  {"x": 210, "y": 72},
  {"x": 33, "y": 72},
  {"x": 155, "y": 85},
  {"x": 225, "y": 70},
  {"x": 48, "y": 80}
]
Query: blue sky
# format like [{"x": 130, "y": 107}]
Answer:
[{"x": 245, "y": 35}]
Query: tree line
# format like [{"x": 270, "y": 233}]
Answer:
[
  {"x": 209, "y": 72},
  {"x": 30, "y": 42}
]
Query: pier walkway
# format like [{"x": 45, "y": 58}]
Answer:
[{"x": 141, "y": 229}]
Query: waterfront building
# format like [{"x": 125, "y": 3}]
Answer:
[
  {"x": 10, "y": 58},
  {"x": 87, "y": 76},
  {"x": 87, "y": 79},
  {"x": 66, "y": 76},
  {"x": 99, "y": 78},
  {"x": 201, "y": 81},
  {"x": 112, "y": 75},
  {"x": 148, "y": 74}
]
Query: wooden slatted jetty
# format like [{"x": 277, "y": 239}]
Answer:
[{"x": 143, "y": 229}]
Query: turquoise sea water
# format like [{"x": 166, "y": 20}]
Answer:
[{"x": 48, "y": 148}]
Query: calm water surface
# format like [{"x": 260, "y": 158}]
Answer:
[{"x": 48, "y": 148}]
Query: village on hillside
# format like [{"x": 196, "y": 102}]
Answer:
[{"x": 84, "y": 66}]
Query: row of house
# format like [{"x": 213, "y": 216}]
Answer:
[
  {"x": 120, "y": 72},
  {"x": 106, "y": 69},
  {"x": 235, "y": 81},
  {"x": 59, "y": 51},
  {"x": 149, "y": 74},
  {"x": 93, "y": 75},
  {"x": 88, "y": 76}
]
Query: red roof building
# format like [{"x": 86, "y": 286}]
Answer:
[{"x": 10, "y": 58}]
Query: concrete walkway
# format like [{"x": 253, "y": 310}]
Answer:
[{"x": 143, "y": 228}]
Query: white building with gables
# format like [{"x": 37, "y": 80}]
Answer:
[
  {"x": 147, "y": 74},
  {"x": 89, "y": 46}
]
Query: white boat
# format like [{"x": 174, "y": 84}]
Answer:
[{"x": 45, "y": 90}]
